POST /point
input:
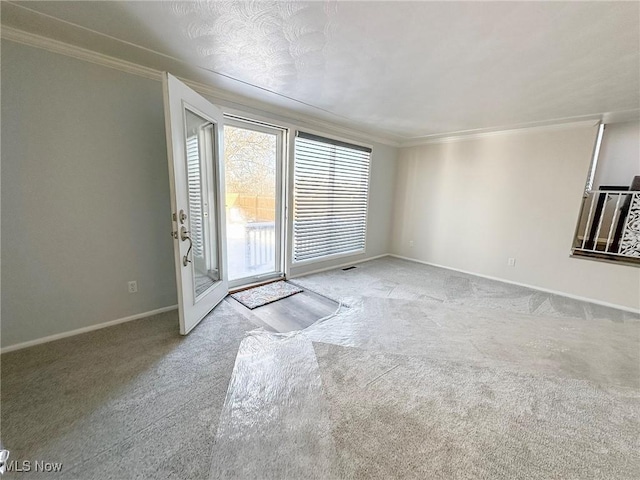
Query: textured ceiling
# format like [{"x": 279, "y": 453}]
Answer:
[{"x": 405, "y": 69}]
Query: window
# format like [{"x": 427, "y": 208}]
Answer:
[{"x": 331, "y": 188}]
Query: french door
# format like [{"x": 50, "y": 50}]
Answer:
[
  {"x": 254, "y": 180},
  {"x": 195, "y": 130}
]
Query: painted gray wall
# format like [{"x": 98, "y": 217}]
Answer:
[
  {"x": 85, "y": 195},
  {"x": 472, "y": 204}
]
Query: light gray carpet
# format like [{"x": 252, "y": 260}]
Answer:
[
  {"x": 436, "y": 375},
  {"x": 275, "y": 422},
  {"x": 426, "y": 374},
  {"x": 600, "y": 350},
  {"x": 397, "y": 416},
  {"x": 132, "y": 401},
  {"x": 393, "y": 278}
]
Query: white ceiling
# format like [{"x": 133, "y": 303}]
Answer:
[{"x": 405, "y": 70}]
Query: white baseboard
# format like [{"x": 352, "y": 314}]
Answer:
[
  {"x": 533, "y": 287},
  {"x": 338, "y": 266},
  {"x": 90, "y": 328}
]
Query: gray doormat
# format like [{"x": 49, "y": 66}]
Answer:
[{"x": 269, "y": 293}]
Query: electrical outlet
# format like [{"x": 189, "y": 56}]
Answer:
[
  {"x": 511, "y": 262},
  {"x": 410, "y": 243},
  {"x": 133, "y": 286}
]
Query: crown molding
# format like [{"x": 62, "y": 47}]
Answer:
[
  {"x": 500, "y": 131},
  {"x": 549, "y": 125},
  {"x": 621, "y": 116},
  {"x": 80, "y": 53}
]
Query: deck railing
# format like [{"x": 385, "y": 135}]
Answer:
[
  {"x": 260, "y": 243},
  {"x": 609, "y": 226}
]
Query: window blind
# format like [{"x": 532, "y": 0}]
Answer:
[
  {"x": 195, "y": 195},
  {"x": 331, "y": 188}
]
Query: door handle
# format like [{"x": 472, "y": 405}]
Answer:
[{"x": 184, "y": 235}]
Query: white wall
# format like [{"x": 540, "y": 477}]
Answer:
[
  {"x": 85, "y": 196},
  {"x": 472, "y": 204},
  {"x": 619, "y": 159}
]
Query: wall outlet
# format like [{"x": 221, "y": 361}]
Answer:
[
  {"x": 133, "y": 286},
  {"x": 410, "y": 243},
  {"x": 511, "y": 262}
]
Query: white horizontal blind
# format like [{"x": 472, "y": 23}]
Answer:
[
  {"x": 195, "y": 195},
  {"x": 331, "y": 188}
]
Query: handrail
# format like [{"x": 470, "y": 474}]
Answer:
[{"x": 614, "y": 192}]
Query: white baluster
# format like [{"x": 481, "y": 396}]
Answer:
[
  {"x": 604, "y": 207},
  {"x": 614, "y": 219},
  {"x": 589, "y": 220}
]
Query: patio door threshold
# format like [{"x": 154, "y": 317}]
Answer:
[{"x": 255, "y": 282}]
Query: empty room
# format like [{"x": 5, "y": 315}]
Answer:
[{"x": 324, "y": 239}]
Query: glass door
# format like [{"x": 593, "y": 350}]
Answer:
[
  {"x": 194, "y": 128},
  {"x": 253, "y": 176}
]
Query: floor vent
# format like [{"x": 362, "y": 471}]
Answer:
[{"x": 348, "y": 268}]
